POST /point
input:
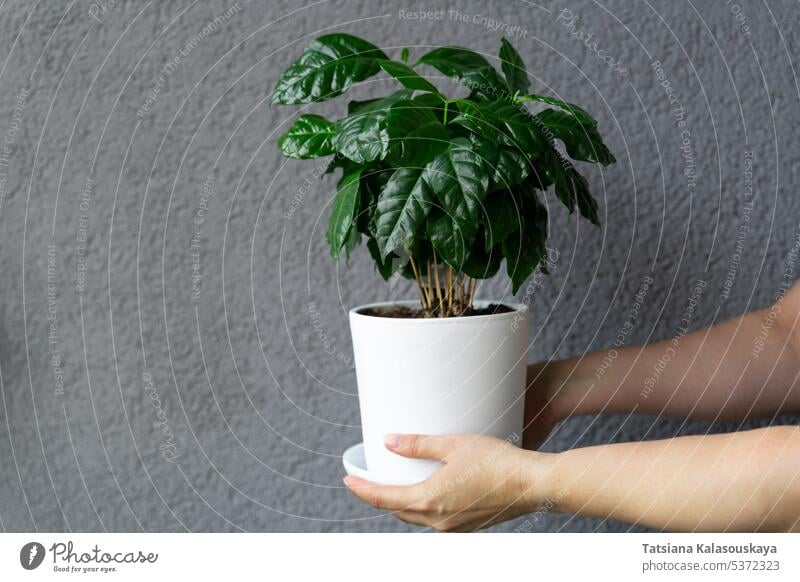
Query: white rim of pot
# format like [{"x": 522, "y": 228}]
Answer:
[{"x": 516, "y": 308}]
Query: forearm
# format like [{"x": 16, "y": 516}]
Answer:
[
  {"x": 743, "y": 368},
  {"x": 743, "y": 481}
]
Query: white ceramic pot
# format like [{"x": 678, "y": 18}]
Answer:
[{"x": 437, "y": 376}]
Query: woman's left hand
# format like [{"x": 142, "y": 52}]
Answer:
[{"x": 484, "y": 480}]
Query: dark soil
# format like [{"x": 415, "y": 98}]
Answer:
[{"x": 403, "y": 312}]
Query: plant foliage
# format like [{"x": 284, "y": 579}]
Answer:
[{"x": 443, "y": 190}]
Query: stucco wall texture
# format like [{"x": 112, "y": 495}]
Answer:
[{"x": 174, "y": 347}]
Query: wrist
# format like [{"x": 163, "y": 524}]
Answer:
[{"x": 540, "y": 491}]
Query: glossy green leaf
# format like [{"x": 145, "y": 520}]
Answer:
[
  {"x": 386, "y": 267},
  {"x": 507, "y": 166},
  {"x": 502, "y": 216},
  {"x": 583, "y": 142},
  {"x": 402, "y": 208},
  {"x": 408, "y": 77},
  {"x": 362, "y": 136},
  {"x": 310, "y": 136},
  {"x": 474, "y": 70},
  {"x": 327, "y": 68},
  {"x": 513, "y": 68},
  {"x": 459, "y": 182},
  {"x": 525, "y": 248},
  {"x": 482, "y": 263},
  {"x": 343, "y": 213},
  {"x": 415, "y": 135},
  {"x": 504, "y": 123},
  {"x": 451, "y": 241},
  {"x": 571, "y": 187},
  {"x": 579, "y": 114}
]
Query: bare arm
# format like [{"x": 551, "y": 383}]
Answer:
[
  {"x": 747, "y": 367},
  {"x": 745, "y": 481}
]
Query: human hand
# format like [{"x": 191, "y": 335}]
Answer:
[{"x": 484, "y": 480}]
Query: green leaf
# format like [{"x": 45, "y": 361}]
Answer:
[
  {"x": 502, "y": 216},
  {"x": 513, "y": 68},
  {"x": 343, "y": 213},
  {"x": 460, "y": 183},
  {"x": 416, "y": 135},
  {"x": 310, "y": 136},
  {"x": 404, "y": 54},
  {"x": 473, "y": 70},
  {"x": 327, "y": 68},
  {"x": 505, "y": 123},
  {"x": 525, "y": 248},
  {"x": 450, "y": 241},
  {"x": 408, "y": 77},
  {"x": 477, "y": 119},
  {"x": 571, "y": 187},
  {"x": 387, "y": 267},
  {"x": 482, "y": 263},
  {"x": 362, "y": 136},
  {"x": 351, "y": 241},
  {"x": 583, "y": 142},
  {"x": 402, "y": 208},
  {"x": 518, "y": 127},
  {"x": 580, "y": 114},
  {"x": 506, "y": 166}
]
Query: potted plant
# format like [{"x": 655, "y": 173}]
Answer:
[{"x": 443, "y": 190}]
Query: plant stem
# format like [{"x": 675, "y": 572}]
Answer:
[
  {"x": 449, "y": 290},
  {"x": 471, "y": 294},
  {"x": 423, "y": 298},
  {"x": 438, "y": 285},
  {"x": 446, "y": 105}
]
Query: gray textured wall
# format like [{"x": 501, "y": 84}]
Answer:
[{"x": 122, "y": 121}]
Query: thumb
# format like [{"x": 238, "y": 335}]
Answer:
[{"x": 422, "y": 446}]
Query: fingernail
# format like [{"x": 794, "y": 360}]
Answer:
[{"x": 391, "y": 441}]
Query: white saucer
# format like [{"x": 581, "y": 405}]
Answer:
[{"x": 355, "y": 463}]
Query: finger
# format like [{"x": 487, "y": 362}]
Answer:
[
  {"x": 421, "y": 446},
  {"x": 391, "y": 497}
]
